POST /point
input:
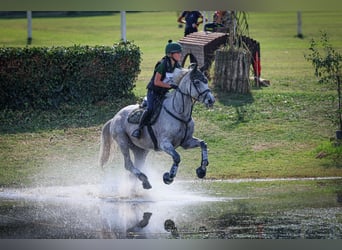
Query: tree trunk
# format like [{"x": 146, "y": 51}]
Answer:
[{"x": 231, "y": 72}]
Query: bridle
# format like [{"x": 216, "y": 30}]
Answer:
[
  {"x": 205, "y": 92},
  {"x": 194, "y": 100}
]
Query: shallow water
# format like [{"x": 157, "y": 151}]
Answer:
[{"x": 182, "y": 210}]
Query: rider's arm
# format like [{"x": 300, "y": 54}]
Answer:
[{"x": 158, "y": 82}]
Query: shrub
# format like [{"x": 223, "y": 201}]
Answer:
[{"x": 45, "y": 78}]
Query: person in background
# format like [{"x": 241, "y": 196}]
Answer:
[
  {"x": 180, "y": 25},
  {"x": 221, "y": 19},
  {"x": 191, "y": 21},
  {"x": 161, "y": 82}
]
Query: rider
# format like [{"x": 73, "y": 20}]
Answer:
[{"x": 161, "y": 82}]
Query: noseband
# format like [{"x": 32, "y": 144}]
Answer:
[
  {"x": 193, "y": 99},
  {"x": 199, "y": 93},
  {"x": 205, "y": 92}
]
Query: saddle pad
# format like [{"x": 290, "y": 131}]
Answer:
[{"x": 135, "y": 115}]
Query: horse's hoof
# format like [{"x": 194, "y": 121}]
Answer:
[
  {"x": 167, "y": 179},
  {"x": 146, "y": 185},
  {"x": 201, "y": 172}
]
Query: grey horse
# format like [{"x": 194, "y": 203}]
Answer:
[{"x": 174, "y": 127}]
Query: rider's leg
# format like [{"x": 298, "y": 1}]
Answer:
[
  {"x": 143, "y": 121},
  {"x": 146, "y": 115}
]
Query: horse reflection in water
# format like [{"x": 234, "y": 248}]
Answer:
[
  {"x": 129, "y": 221},
  {"x": 136, "y": 231},
  {"x": 174, "y": 127}
]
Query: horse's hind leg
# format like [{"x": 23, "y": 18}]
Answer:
[
  {"x": 129, "y": 164},
  {"x": 139, "y": 156}
]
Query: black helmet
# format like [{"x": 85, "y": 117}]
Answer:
[{"x": 173, "y": 47}]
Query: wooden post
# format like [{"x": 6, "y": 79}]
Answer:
[
  {"x": 123, "y": 25},
  {"x": 29, "y": 26},
  {"x": 299, "y": 24},
  {"x": 231, "y": 29}
]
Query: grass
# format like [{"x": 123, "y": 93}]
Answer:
[{"x": 273, "y": 132}]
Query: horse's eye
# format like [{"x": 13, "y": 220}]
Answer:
[
  {"x": 204, "y": 81},
  {"x": 197, "y": 82}
]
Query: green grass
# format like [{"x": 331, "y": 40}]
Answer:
[{"x": 273, "y": 132}]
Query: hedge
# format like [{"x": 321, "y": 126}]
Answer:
[{"x": 45, "y": 78}]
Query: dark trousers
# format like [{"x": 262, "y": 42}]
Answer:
[
  {"x": 189, "y": 30},
  {"x": 153, "y": 99}
]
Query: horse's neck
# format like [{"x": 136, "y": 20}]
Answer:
[{"x": 181, "y": 105}]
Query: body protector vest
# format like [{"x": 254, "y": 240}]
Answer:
[{"x": 167, "y": 75}]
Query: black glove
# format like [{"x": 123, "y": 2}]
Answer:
[{"x": 173, "y": 86}]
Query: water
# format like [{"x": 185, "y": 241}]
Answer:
[
  {"x": 91, "y": 211},
  {"x": 183, "y": 210}
]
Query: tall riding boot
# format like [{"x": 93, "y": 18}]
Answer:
[{"x": 143, "y": 121}]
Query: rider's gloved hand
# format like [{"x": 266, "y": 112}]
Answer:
[{"x": 173, "y": 86}]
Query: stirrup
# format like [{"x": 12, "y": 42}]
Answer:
[{"x": 137, "y": 133}]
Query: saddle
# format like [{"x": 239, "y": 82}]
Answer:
[{"x": 135, "y": 116}]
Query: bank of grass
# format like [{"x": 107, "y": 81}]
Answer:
[{"x": 273, "y": 132}]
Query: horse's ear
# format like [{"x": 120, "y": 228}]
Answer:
[{"x": 193, "y": 66}]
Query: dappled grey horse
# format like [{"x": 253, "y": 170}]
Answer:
[{"x": 174, "y": 127}]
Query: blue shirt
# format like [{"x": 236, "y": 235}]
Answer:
[{"x": 191, "y": 17}]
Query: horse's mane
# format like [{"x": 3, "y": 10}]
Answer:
[{"x": 178, "y": 74}]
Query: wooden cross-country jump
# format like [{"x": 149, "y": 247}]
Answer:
[{"x": 201, "y": 46}]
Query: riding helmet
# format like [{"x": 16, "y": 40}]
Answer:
[{"x": 172, "y": 47}]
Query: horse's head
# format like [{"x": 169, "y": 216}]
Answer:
[{"x": 198, "y": 87}]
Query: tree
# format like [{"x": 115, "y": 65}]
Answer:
[{"x": 327, "y": 69}]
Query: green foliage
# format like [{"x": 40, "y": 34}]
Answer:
[
  {"x": 45, "y": 78},
  {"x": 327, "y": 66}
]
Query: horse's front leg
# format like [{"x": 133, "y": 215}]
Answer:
[
  {"x": 193, "y": 143},
  {"x": 169, "y": 149}
]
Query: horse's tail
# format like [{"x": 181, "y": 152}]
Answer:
[{"x": 106, "y": 144}]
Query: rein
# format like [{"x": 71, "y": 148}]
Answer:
[
  {"x": 181, "y": 120},
  {"x": 187, "y": 121}
]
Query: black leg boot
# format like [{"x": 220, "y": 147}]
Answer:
[{"x": 143, "y": 121}]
